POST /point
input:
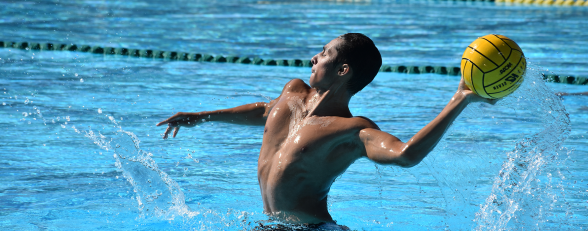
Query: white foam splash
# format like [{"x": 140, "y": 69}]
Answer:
[
  {"x": 156, "y": 193},
  {"x": 525, "y": 191},
  {"x": 526, "y": 182}
]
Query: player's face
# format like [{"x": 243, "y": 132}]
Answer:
[{"x": 324, "y": 66}]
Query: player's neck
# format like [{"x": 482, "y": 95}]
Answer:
[{"x": 331, "y": 102}]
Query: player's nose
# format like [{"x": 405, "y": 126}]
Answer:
[{"x": 313, "y": 60}]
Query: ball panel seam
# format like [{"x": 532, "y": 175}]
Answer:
[
  {"x": 509, "y": 45},
  {"x": 514, "y": 48},
  {"x": 474, "y": 85},
  {"x": 468, "y": 78},
  {"x": 499, "y": 52},
  {"x": 517, "y": 84},
  {"x": 502, "y": 40},
  {"x": 500, "y": 44},
  {"x": 511, "y": 70},
  {"x": 507, "y": 58},
  {"x": 483, "y": 55}
]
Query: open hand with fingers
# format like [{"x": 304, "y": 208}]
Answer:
[
  {"x": 250, "y": 114},
  {"x": 180, "y": 119}
]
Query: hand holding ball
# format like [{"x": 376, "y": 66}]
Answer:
[{"x": 493, "y": 66}]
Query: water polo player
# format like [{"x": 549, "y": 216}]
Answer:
[{"x": 311, "y": 137}]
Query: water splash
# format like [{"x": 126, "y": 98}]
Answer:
[
  {"x": 528, "y": 190},
  {"x": 526, "y": 178},
  {"x": 158, "y": 196},
  {"x": 156, "y": 193}
]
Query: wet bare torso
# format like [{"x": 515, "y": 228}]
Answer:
[{"x": 301, "y": 155}]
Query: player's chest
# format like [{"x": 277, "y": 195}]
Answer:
[{"x": 301, "y": 134}]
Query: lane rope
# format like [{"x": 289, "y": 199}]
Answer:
[
  {"x": 198, "y": 57},
  {"x": 558, "y": 3},
  {"x": 563, "y": 3}
]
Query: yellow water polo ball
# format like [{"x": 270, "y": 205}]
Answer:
[{"x": 493, "y": 66}]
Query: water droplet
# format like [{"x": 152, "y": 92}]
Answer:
[
  {"x": 25, "y": 114},
  {"x": 76, "y": 74},
  {"x": 81, "y": 80},
  {"x": 99, "y": 110},
  {"x": 26, "y": 101}
]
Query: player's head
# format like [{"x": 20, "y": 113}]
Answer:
[
  {"x": 351, "y": 60},
  {"x": 362, "y": 55}
]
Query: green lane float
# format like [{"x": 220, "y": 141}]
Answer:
[{"x": 197, "y": 57}]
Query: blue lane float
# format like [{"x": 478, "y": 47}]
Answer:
[{"x": 186, "y": 56}]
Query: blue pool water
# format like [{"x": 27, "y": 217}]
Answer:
[{"x": 80, "y": 150}]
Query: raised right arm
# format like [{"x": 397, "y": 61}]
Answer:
[{"x": 384, "y": 148}]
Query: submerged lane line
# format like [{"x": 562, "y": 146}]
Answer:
[{"x": 186, "y": 56}]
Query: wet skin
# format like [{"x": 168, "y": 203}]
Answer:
[{"x": 311, "y": 137}]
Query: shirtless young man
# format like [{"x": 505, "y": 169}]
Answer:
[{"x": 311, "y": 137}]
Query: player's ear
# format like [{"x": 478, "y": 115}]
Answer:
[{"x": 344, "y": 69}]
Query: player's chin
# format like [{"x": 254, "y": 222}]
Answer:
[{"x": 312, "y": 80}]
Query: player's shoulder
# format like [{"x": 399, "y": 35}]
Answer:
[
  {"x": 296, "y": 85},
  {"x": 361, "y": 122}
]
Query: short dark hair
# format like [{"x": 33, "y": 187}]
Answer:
[{"x": 361, "y": 54}]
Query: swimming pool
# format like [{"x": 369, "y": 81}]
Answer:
[{"x": 58, "y": 175}]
